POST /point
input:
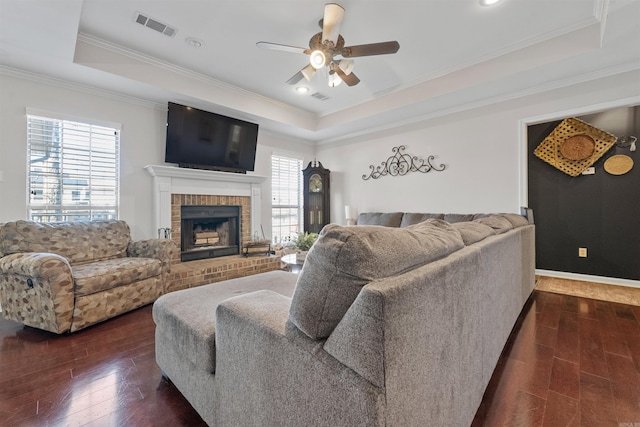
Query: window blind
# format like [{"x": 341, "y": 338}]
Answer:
[
  {"x": 73, "y": 170},
  {"x": 286, "y": 192}
]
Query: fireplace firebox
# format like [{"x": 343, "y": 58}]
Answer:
[{"x": 209, "y": 232}]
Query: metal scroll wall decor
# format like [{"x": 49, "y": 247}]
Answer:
[{"x": 401, "y": 163}]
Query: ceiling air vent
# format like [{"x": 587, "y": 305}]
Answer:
[
  {"x": 320, "y": 96},
  {"x": 155, "y": 25}
]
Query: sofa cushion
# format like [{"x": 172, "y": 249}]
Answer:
[
  {"x": 391, "y": 219},
  {"x": 415, "y": 218},
  {"x": 499, "y": 223},
  {"x": 108, "y": 274},
  {"x": 78, "y": 242},
  {"x": 472, "y": 231},
  {"x": 344, "y": 259},
  {"x": 1, "y": 253},
  {"x": 187, "y": 317}
]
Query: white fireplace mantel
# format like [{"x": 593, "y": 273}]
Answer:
[{"x": 168, "y": 180}]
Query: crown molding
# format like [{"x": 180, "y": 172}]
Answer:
[
  {"x": 514, "y": 47},
  {"x": 79, "y": 87},
  {"x": 465, "y": 106},
  {"x": 207, "y": 80}
]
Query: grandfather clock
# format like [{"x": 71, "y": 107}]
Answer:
[{"x": 316, "y": 197}]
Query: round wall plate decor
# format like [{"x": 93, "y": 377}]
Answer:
[
  {"x": 618, "y": 164},
  {"x": 578, "y": 147}
]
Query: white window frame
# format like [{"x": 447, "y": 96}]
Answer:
[
  {"x": 73, "y": 169},
  {"x": 286, "y": 194}
]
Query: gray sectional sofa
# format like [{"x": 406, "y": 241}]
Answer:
[{"x": 398, "y": 321}]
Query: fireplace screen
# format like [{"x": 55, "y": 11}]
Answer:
[{"x": 209, "y": 232}]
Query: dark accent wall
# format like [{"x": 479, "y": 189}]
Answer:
[{"x": 600, "y": 212}]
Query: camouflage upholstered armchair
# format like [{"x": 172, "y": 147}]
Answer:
[{"x": 62, "y": 277}]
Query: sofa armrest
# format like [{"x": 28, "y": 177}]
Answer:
[
  {"x": 161, "y": 249},
  {"x": 36, "y": 289},
  {"x": 270, "y": 373}
]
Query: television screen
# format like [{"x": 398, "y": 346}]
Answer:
[{"x": 200, "y": 139}]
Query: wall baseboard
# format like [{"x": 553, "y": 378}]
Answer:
[
  {"x": 585, "y": 286},
  {"x": 589, "y": 278}
]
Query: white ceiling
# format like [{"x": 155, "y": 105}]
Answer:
[{"x": 454, "y": 54}]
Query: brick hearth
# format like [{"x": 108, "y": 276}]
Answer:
[{"x": 202, "y": 272}]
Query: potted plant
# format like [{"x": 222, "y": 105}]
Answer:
[{"x": 303, "y": 242}]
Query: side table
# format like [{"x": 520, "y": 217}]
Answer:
[{"x": 294, "y": 263}]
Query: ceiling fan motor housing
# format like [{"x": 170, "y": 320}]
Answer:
[{"x": 326, "y": 47}]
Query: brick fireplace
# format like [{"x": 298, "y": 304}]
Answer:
[{"x": 175, "y": 187}]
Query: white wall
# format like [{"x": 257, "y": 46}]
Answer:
[
  {"x": 481, "y": 148},
  {"x": 142, "y": 143}
]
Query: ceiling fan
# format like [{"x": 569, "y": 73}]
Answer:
[{"x": 326, "y": 48}]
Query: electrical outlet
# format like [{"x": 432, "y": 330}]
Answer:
[
  {"x": 589, "y": 171},
  {"x": 582, "y": 252}
]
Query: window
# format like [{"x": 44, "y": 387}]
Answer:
[
  {"x": 73, "y": 170},
  {"x": 286, "y": 192}
]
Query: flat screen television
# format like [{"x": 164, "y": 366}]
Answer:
[{"x": 204, "y": 140}]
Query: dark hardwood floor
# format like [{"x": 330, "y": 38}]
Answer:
[
  {"x": 105, "y": 375},
  {"x": 570, "y": 361}
]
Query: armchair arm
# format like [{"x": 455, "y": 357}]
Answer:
[
  {"x": 36, "y": 289},
  {"x": 270, "y": 373},
  {"x": 161, "y": 249}
]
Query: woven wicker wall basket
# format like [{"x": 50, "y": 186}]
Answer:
[{"x": 574, "y": 145}]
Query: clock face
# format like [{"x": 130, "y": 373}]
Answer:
[{"x": 315, "y": 183}]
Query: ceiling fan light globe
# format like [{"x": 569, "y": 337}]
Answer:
[
  {"x": 308, "y": 72},
  {"x": 317, "y": 59},
  {"x": 346, "y": 65},
  {"x": 334, "y": 80},
  {"x": 488, "y": 2}
]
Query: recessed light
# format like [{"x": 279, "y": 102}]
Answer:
[
  {"x": 488, "y": 2},
  {"x": 302, "y": 89},
  {"x": 193, "y": 42}
]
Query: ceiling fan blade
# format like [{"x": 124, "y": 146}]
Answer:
[
  {"x": 350, "y": 79},
  {"x": 382, "y": 48},
  {"x": 282, "y": 47},
  {"x": 306, "y": 73},
  {"x": 295, "y": 78},
  {"x": 333, "y": 14}
]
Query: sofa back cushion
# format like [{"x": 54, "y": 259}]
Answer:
[
  {"x": 415, "y": 218},
  {"x": 344, "y": 259},
  {"x": 391, "y": 219},
  {"x": 515, "y": 219},
  {"x": 78, "y": 242},
  {"x": 458, "y": 217}
]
